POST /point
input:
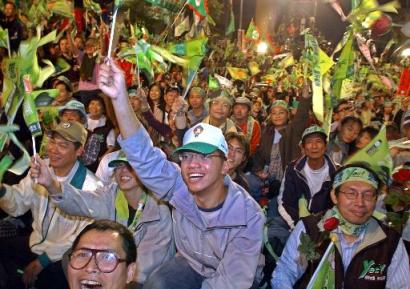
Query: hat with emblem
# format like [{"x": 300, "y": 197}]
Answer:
[
  {"x": 72, "y": 131},
  {"x": 314, "y": 129},
  {"x": 204, "y": 139}
]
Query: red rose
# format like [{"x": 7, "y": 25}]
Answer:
[
  {"x": 402, "y": 176},
  {"x": 264, "y": 202},
  {"x": 331, "y": 224}
]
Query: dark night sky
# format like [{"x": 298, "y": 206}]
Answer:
[{"x": 328, "y": 22}]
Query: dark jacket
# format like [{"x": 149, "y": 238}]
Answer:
[
  {"x": 378, "y": 247},
  {"x": 294, "y": 186},
  {"x": 289, "y": 143}
]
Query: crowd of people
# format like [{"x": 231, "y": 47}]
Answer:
[{"x": 135, "y": 186}]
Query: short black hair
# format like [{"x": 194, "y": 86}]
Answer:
[
  {"x": 241, "y": 138},
  {"x": 352, "y": 119},
  {"x": 370, "y": 130},
  {"x": 128, "y": 242}
]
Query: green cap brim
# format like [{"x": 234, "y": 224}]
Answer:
[
  {"x": 198, "y": 147},
  {"x": 116, "y": 163}
]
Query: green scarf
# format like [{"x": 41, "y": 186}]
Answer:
[
  {"x": 121, "y": 207},
  {"x": 344, "y": 225}
]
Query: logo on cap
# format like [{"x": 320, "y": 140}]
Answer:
[
  {"x": 66, "y": 125},
  {"x": 198, "y": 130}
]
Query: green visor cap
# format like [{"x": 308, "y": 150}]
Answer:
[
  {"x": 198, "y": 147},
  {"x": 120, "y": 160}
]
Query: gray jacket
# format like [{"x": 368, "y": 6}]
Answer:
[
  {"x": 153, "y": 234},
  {"x": 227, "y": 251}
]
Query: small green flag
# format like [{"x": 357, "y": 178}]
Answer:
[
  {"x": 253, "y": 68},
  {"x": 5, "y": 163},
  {"x": 377, "y": 155},
  {"x": 200, "y": 7},
  {"x": 252, "y": 32},
  {"x": 231, "y": 26},
  {"x": 324, "y": 276},
  {"x": 213, "y": 84},
  {"x": 238, "y": 73},
  {"x": 344, "y": 67},
  {"x": 189, "y": 48},
  {"x": 4, "y": 35}
]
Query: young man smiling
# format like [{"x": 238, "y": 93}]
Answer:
[
  {"x": 218, "y": 227},
  {"x": 53, "y": 230}
]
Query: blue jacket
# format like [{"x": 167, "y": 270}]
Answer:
[
  {"x": 226, "y": 251},
  {"x": 294, "y": 186}
]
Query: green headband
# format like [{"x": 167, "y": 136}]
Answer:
[
  {"x": 355, "y": 174},
  {"x": 280, "y": 103}
]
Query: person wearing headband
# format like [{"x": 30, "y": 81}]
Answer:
[{"x": 368, "y": 254}]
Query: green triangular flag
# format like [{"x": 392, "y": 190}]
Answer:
[
  {"x": 377, "y": 155},
  {"x": 231, "y": 26}
]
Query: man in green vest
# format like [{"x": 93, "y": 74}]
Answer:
[
  {"x": 368, "y": 254},
  {"x": 35, "y": 261}
]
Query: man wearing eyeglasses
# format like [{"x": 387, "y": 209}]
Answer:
[
  {"x": 127, "y": 202},
  {"x": 36, "y": 261},
  {"x": 103, "y": 256},
  {"x": 368, "y": 255},
  {"x": 218, "y": 227}
]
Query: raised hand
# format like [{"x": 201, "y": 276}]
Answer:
[
  {"x": 40, "y": 172},
  {"x": 112, "y": 81}
]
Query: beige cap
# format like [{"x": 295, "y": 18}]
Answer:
[{"x": 71, "y": 131}]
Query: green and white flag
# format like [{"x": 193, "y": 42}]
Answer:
[
  {"x": 324, "y": 276},
  {"x": 252, "y": 31},
  {"x": 231, "y": 25},
  {"x": 182, "y": 27},
  {"x": 200, "y": 7},
  {"x": 377, "y": 155}
]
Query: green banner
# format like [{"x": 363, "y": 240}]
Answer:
[{"x": 377, "y": 155}]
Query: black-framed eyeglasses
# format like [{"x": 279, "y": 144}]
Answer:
[
  {"x": 353, "y": 195},
  {"x": 106, "y": 260}
]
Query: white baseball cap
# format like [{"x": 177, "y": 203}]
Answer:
[{"x": 204, "y": 139}]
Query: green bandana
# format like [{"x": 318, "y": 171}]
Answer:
[
  {"x": 344, "y": 225},
  {"x": 355, "y": 174},
  {"x": 280, "y": 103}
]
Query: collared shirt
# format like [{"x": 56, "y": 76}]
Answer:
[{"x": 289, "y": 268}]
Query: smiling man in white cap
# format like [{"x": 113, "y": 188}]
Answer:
[{"x": 218, "y": 227}]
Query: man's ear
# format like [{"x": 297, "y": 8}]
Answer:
[
  {"x": 225, "y": 167},
  {"x": 79, "y": 152},
  {"x": 333, "y": 196},
  {"x": 302, "y": 150},
  {"x": 131, "y": 272}
]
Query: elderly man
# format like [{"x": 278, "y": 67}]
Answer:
[
  {"x": 306, "y": 186},
  {"x": 102, "y": 256},
  {"x": 248, "y": 125},
  {"x": 219, "y": 111},
  {"x": 127, "y": 202},
  {"x": 218, "y": 227},
  {"x": 53, "y": 230},
  {"x": 368, "y": 254}
]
